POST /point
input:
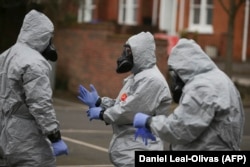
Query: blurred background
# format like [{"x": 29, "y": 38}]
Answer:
[{"x": 90, "y": 34}]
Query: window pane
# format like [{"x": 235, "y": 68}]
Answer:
[
  {"x": 135, "y": 10},
  {"x": 210, "y": 2},
  {"x": 209, "y": 16},
  {"x": 135, "y": 14},
  {"x": 124, "y": 14},
  {"x": 197, "y": 2},
  {"x": 196, "y": 16}
]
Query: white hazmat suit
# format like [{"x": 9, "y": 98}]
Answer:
[
  {"x": 27, "y": 114},
  {"x": 210, "y": 114},
  {"x": 145, "y": 90}
]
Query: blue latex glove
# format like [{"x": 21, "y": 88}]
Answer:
[
  {"x": 88, "y": 97},
  {"x": 94, "y": 113},
  {"x": 145, "y": 135},
  {"x": 140, "y": 120},
  {"x": 60, "y": 148}
]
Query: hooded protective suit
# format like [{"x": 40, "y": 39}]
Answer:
[
  {"x": 210, "y": 114},
  {"x": 145, "y": 90},
  {"x": 27, "y": 114}
]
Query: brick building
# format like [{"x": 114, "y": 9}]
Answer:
[
  {"x": 90, "y": 33},
  {"x": 204, "y": 20},
  {"x": 93, "y": 32},
  {"x": 88, "y": 54}
]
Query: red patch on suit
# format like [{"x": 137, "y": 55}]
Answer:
[{"x": 124, "y": 96}]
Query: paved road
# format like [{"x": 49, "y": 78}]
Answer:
[{"x": 88, "y": 141}]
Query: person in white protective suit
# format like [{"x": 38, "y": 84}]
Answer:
[
  {"x": 210, "y": 113},
  {"x": 30, "y": 134},
  {"x": 144, "y": 90}
]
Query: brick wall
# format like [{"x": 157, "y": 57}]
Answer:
[
  {"x": 88, "y": 54},
  {"x": 218, "y": 38}
]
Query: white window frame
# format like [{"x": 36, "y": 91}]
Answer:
[
  {"x": 85, "y": 11},
  {"x": 128, "y": 10},
  {"x": 202, "y": 27}
]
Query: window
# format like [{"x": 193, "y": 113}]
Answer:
[
  {"x": 85, "y": 11},
  {"x": 128, "y": 12},
  {"x": 201, "y": 16}
]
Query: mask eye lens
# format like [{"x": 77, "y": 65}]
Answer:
[{"x": 128, "y": 50}]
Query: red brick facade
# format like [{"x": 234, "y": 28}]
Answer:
[
  {"x": 88, "y": 54},
  {"x": 218, "y": 38}
]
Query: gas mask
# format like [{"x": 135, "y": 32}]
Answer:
[
  {"x": 125, "y": 61},
  {"x": 176, "y": 86},
  {"x": 50, "y": 52}
]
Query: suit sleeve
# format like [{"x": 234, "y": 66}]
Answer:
[
  {"x": 38, "y": 94},
  {"x": 143, "y": 98},
  {"x": 193, "y": 115}
]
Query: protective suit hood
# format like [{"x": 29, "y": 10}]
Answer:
[
  {"x": 143, "y": 50},
  {"x": 188, "y": 60},
  {"x": 36, "y": 31}
]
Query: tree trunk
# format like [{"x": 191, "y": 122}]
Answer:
[
  {"x": 230, "y": 39},
  {"x": 229, "y": 53}
]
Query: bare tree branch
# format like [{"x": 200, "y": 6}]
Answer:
[
  {"x": 233, "y": 6},
  {"x": 224, "y": 7},
  {"x": 239, "y": 4}
]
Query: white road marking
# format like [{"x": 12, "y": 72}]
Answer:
[
  {"x": 86, "y": 166},
  {"x": 86, "y": 131},
  {"x": 85, "y": 144}
]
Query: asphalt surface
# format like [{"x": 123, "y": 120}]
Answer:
[{"x": 88, "y": 141}]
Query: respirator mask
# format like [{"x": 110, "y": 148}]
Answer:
[
  {"x": 176, "y": 86},
  {"x": 50, "y": 52},
  {"x": 125, "y": 61}
]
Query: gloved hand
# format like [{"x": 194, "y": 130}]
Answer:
[
  {"x": 88, "y": 98},
  {"x": 145, "y": 134},
  {"x": 94, "y": 113},
  {"x": 60, "y": 148},
  {"x": 140, "y": 120}
]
